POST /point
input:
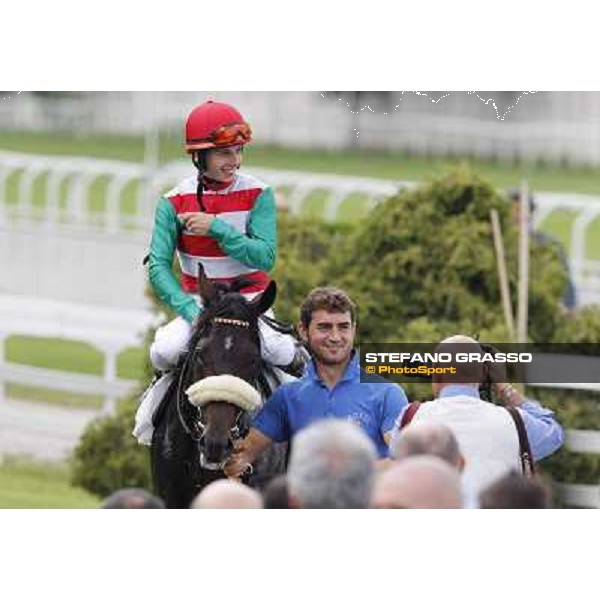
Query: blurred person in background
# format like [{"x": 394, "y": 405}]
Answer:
[
  {"x": 333, "y": 386},
  {"x": 418, "y": 482},
  {"x": 275, "y": 494},
  {"x": 431, "y": 439},
  {"x": 544, "y": 239},
  {"x": 332, "y": 465},
  {"x": 132, "y": 498},
  {"x": 225, "y": 493},
  {"x": 515, "y": 491},
  {"x": 223, "y": 220}
]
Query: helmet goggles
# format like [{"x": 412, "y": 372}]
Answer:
[{"x": 226, "y": 135}]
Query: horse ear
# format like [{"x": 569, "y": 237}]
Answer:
[
  {"x": 206, "y": 289},
  {"x": 263, "y": 303}
]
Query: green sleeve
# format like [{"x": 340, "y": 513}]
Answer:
[
  {"x": 258, "y": 249},
  {"x": 162, "y": 250}
]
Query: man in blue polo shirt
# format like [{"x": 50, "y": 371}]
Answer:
[{"x": 330, "y": 388}]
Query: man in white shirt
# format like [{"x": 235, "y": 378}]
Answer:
[{"x": 486, "y": 433}]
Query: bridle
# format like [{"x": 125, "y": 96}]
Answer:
[{"x": 197, "y": 429}]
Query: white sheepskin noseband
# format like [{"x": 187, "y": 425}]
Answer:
[{"x": 224, "y": 388}]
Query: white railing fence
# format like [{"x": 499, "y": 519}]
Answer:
[
  {"x": 108, "y": 330},
  {"x": 579, "y": 495},
  {"x": 68, "y": 198},
  {"x": 580, "y": 441}
]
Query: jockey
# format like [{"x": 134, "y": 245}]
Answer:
[{"x": 224, "y": 220}]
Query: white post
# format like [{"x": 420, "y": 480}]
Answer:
[
  {"x": 502, "y": 274},
  {"x": 522, "y": 314}
]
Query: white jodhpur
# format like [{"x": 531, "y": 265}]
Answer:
[
  {"x": 149, "y": 402},
  {"x": 172, "y": 339}
]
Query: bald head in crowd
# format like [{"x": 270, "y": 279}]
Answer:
[
  {"x": 430, "y": 439},
  {"x": 226, "y": 493},
  {"x": 516, "y": 491},
  {"x": 418, "y": 482},
  {"x": 466, "y": 373}
]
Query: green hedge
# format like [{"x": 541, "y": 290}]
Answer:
[{"x": 108, "y": 457}]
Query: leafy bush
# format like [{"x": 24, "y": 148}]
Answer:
[
  {"x": 423, "y": 263},
  {"x": 304, "y": 253},
  {"x": 108, "y": 457}
]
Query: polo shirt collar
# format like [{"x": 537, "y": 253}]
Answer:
[
  {"x": 459, "y": 390},
  {"x": 352, "y": 369}
]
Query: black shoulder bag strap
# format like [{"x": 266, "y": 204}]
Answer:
[{"x": 527, "y": 463}]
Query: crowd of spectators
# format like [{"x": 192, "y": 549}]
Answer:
[{"x": 333, "y": 464}]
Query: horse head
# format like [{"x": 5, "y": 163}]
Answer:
[{"x": 224, "y": 362}]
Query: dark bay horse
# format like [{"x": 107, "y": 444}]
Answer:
[{"x": 191, "y": 443}]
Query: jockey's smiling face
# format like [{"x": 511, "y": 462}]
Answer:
[
  {"x": 222, "y": 163},
  {"x": 330, "y": 336}
]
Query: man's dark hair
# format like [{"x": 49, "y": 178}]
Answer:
[
  {"x": 516, "y": 491},
  {"x": 514, "y": 195},
  {"x": 275, "y": 494},
  {"x": 132, "y": 498},
  {"x": 330, "y": 299}
]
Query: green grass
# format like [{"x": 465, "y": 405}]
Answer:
[
  {"x": 110, "y": 146},
  {"x": 79, "y": 357},
  {"x": 26, "y": 484},
  {"x": 67, "y": 355},
  {"x": 559, "y": 224},
  {"x": 379, "y": 164},
  {"x": 39, "y": 395},
  {"x": 54, "y": 354},
  {"x": 131, "y": 363},
  {"x": 592, "y": 243}
]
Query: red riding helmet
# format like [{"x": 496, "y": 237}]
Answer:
[{"x": 215, "y": 125}]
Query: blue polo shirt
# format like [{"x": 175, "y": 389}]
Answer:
[{"x": 293, "y": 406}]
